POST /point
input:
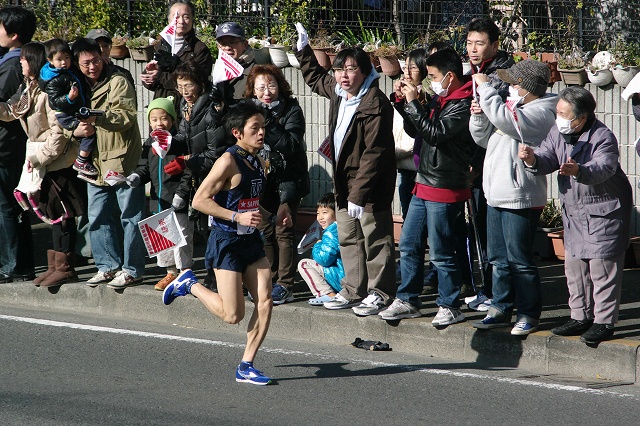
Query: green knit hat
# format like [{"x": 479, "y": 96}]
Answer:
[{"x": 165, "y": 104}]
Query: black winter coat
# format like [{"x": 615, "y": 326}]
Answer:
[
  {"x": 197, "y": 135},
  {"x": 194, "y": 51},
  {"x": 446, "y": 142},
  {"x": 284, "y": 134},
  {"x": 13, "y": 140}
]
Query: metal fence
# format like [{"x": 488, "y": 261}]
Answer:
[{"x": 526, "y": 24}]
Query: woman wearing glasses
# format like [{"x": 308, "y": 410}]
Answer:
[
  {"x": 364, "y": 173},
  {"x": 62, "y": 196},
  {"x": 199, "y": 141},
  {"x": 288, "y": 175}
]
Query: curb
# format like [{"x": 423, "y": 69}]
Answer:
[{"x": 541, "y": 352}]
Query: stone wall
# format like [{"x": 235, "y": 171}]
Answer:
[{"x": 611, "y": 109}]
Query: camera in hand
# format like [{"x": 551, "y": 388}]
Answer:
[{"x": 84, "y": 113}]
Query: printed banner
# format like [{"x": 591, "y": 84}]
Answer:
[
  {"x": 310, "y": 237},
  {"x": 169, "y": 33},
  {"x": 161, "y": 142},
  {"x": 226, "y": 68},
  {"x": 161, "y": 232},
  {"x": 114, "y": 178}
]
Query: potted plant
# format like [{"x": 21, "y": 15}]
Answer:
[
  {"x": 119, "y": 49},
  {"x": 280, "y": 45},
  {"x": 320, "y": 44},
  {"x": 387, "y": 54},
  {"x": 598, "y": 70},
  {"x": 571, "y": 67},
  {"x": 141, "y": 48},
  {"x": 260, "y": 50},
  {"x": 549, "y": 232},
  {"x": 625, "y": 58}
]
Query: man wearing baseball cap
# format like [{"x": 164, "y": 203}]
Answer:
[
  {"x": 231, "y": 40},
  {"x": 515, "y": 198},
  {"x": 103, "y": 37}
]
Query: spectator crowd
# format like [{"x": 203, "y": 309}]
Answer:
[{"x": 474, "y": 145}]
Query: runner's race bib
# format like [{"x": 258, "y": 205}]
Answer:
[{"x": 247, "y": 205}]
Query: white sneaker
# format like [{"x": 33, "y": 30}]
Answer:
[
  {"x": 400, "y": 309},
  {"x": 523, "y": 328},
  {"x": 101, "y": 277},
  {"x": 446, "y": 316},
  {"x": 123, "y": 280},
  {"x": 470, "y": 299},
  {"x": 371, "y": 305},
  {"x": 484, "y": 306},
  {"x": 339, "y": 302}
]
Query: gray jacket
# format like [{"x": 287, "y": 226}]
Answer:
[
  {"x": 505, "y": 183},
  {"x": 596, "y": 205}
]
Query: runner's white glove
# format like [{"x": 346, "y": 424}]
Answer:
[
  {"x": 303, "y": 37},
  {"x": 355, "y": 211}
]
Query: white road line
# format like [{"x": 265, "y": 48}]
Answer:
[{"x": 441, "y": 372}]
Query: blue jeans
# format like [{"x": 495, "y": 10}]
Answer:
[
  {"x": 103, "y": 230},
  {"x": 438, "y": 221},
  {"x": 405, "y": 189},
  {"x": 510, "y": 235},
  {"x": 16, "y": 243}
]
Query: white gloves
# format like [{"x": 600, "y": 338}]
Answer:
[
  {"x": 133, "y": 180},
  {"x": 178, "y": 202},
  {"x": 303, "y": 37},
  {"x": 354, "y": 210}
]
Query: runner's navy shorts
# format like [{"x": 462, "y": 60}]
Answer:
[{"x": 233, "y": 252}]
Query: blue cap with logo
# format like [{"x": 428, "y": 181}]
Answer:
[{"x": 232, "y": 29}]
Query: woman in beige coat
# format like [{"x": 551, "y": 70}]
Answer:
[{"x": 62, "y": 196}]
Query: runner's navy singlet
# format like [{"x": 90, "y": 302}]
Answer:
[{"x": 245, "y": 196}]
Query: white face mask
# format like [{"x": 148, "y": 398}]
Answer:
[
  {"x": 437, "y": 88},
  {"x": 564, "y": 125},
  {"x": 514, "y": 97}
]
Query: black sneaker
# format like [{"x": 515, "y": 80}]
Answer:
[
  {"x": 572, "y": 328},
  {"x": 597, "y": 333}
]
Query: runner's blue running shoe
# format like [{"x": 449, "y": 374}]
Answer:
[
  {"x": 251, "y": 375},
  {"x": 181, "y": 286}
]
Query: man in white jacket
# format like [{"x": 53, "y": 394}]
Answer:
[{"x": 515, "y": 198}]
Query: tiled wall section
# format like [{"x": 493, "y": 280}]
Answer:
[{"x": 611, "y": 109}]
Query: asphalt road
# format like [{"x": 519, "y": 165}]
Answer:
[{"x": 66, "y": 369}]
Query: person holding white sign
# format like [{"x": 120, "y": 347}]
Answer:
[
  {"x": 231, "y": 194},
  {"x": 167, "y": 191}
]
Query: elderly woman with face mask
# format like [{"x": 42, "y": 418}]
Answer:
[{"x": 596, "y": 212}]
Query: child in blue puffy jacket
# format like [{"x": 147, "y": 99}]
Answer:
[{"x": 324, "y": 272}]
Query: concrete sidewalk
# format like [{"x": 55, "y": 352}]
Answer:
[{"x": 541, "y": 352}]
